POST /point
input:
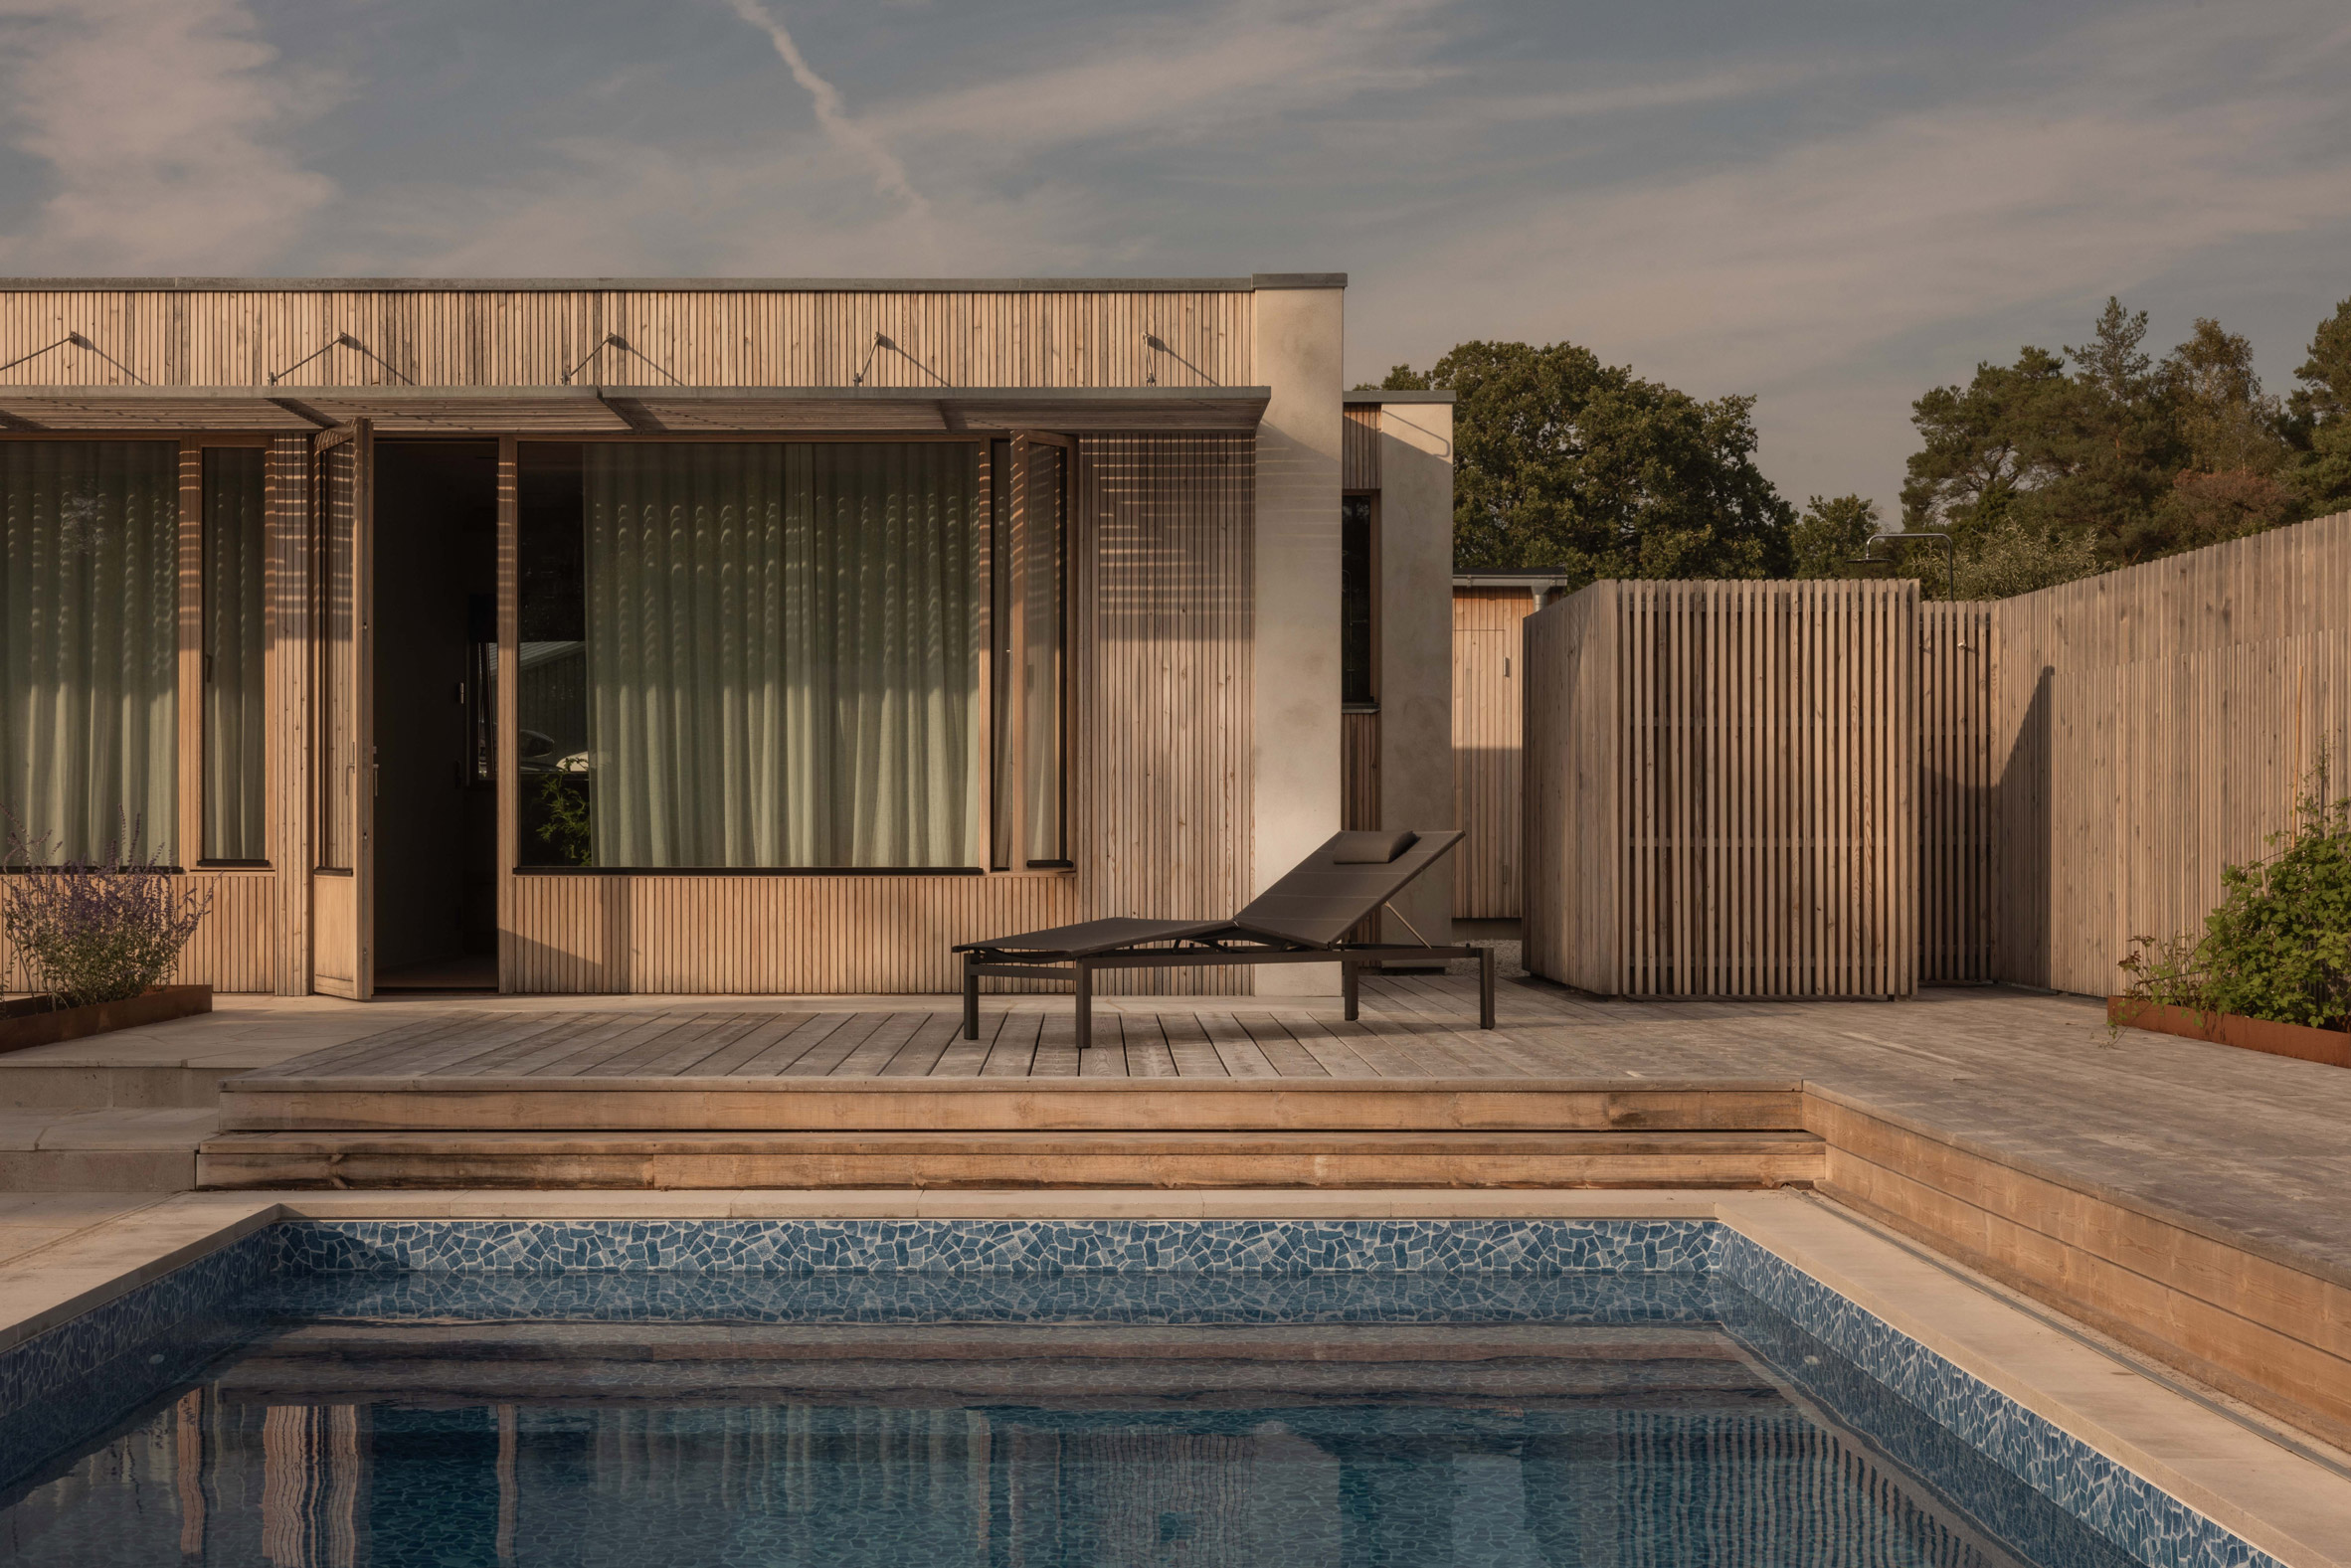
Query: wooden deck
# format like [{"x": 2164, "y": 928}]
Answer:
[{"x": 2185, "y": 1197}]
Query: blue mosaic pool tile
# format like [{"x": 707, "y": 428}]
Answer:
[
  {"x": 2138, "y": 1517},
  {"x": 1009, "y": 1247},
  {"x": 66, "y": 1382}
]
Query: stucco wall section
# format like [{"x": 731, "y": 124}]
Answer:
[{"x": 1294, "y": 794}]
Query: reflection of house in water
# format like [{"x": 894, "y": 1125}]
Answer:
[{"x": 756, "y": 1449}]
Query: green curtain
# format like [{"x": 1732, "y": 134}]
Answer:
[
  {"x": 782, "y": 653},
  {"x": 234, "y": 575},
  {"x": 89, "y": 642}
]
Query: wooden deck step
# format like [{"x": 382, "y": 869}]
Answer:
[
  {"x": 1119, "y": 1158},
  {"x": 930, "y": 1105}
]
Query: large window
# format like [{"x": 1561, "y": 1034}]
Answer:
[
  {"x": 234, "y": 604},
  {"x": 750, "y": 655},
  {"x": 89, "y": 642}
]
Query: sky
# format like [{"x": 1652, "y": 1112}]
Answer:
[{"x": 1830, "y": 205}]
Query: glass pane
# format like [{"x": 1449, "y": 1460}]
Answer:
[
  {"x": 1356, "y": 684},
  {"x": 90, "y": 644},
  {"x": 550, "y": 677},
  {"x": 772, "y": 661},
  {"x": 234, "y": 567}
]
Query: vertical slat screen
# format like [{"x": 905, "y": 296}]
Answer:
[
  {"x": 289, "y": 669},
  {"x": 1721, "y": 789},
  {"x": 1161, "y": 695}
]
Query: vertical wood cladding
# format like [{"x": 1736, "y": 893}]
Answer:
[
  {"x": 1487, "y": 765},
  {"x": 491, "y": 337},
  {"x": 2155, "y": 724},
  {"x": 1758, "y": 836},
  {"x": 1958, "y": 794}
]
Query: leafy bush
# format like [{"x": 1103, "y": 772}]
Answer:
[
  {"x": 2278, "y": 947},
  {"x": 95, "y": 931}
]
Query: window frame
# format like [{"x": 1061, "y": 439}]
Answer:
[{"x": 992, "y": 484}]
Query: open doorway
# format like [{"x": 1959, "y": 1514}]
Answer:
[{"x": 436, "y": 632}]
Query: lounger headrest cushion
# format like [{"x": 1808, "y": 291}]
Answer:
[{"x": 1369, "y": 848}]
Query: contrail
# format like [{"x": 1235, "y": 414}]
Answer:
[{"x": 832, "y": 113}]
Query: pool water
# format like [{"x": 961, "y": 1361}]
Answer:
[{"x": 1073, "y": 1419}]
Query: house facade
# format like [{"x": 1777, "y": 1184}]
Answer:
[{"x": 710, "y": 636}]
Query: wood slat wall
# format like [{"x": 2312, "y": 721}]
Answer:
[
  {"x": 234, "y": 949},
  {"x": 829, "y": 936},
  {"x": 1358, "y": 448},
  {"x": 704, "y": 338},
  {"x": 2153, "y": 725},
  {"x": 1488, "y": 737},
  {"x": 1763, "y": 838},
  {"x": 1958, "y": 794}
]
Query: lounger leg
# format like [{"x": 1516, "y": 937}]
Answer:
[
  {"x": 970, "y": 997},
  {"x": 1085, "y": 1005},
  {"x": 1350, "y": 984},
  {"x": 1485, "y": 987}
]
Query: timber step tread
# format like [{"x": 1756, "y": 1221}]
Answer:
[
  {"x": 1026, "y": 1159},
  {"x": 1051, "y": 1142},
  {"x": 1020, "y": 1106}
]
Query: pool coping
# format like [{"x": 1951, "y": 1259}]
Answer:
[{"x": 2225, "y": 1467}]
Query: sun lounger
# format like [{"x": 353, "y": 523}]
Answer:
[{"x": 1302, "y": 919}]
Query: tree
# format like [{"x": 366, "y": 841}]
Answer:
[
  {"x": 2033, "y": 467},
  {"x": 1830, "y": 534},
  {"x": 2233, "y": 440},
  {"x": 2319, "y": 422},
  {"x": 1562, "y": 460}
]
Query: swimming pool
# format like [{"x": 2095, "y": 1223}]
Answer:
[{"x": 1020, "y": 1392}]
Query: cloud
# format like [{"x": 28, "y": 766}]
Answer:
[
  {"x": 888, "y": 173},
  {"x": 1802, "y": 271},
  {"x": 166, "y": 130},
  {"x": 1184, "y": 75}
]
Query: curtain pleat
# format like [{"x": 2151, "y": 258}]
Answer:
[
  {"x": 234, "y": 567},
  {"x": 89, "y": 642},
  {"x": 781, "y": 654}
]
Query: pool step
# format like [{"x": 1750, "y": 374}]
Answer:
[
  {"x": 446, "y": 1104},
  {"x": 931, "y": 1158}
]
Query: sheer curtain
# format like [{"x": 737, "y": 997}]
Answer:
[
  {"x": 234, "y": 573},
  {"x": 89, "y": 641},
  {"x": 782, "y": 653}
]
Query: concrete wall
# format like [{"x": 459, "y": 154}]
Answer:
[
  {"x": 1416, "y": 641},
  {"x": 1295, "y": 757}
]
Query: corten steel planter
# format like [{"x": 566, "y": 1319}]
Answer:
[
  {"x": 31, "y": 1022},
  {"x": 2332, "y": 1046}
]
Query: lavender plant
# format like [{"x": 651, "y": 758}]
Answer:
[{"x": 99, "y": 930}]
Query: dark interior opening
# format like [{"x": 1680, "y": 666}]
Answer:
[{"x": 436, "y": 635}]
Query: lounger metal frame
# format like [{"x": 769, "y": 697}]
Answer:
[{"x": 1210, "y": 951}]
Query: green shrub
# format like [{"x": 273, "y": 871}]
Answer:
[{"x": 2278, "y": 947}]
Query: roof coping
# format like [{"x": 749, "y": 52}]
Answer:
[{"x": 1367, "y": 399}]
